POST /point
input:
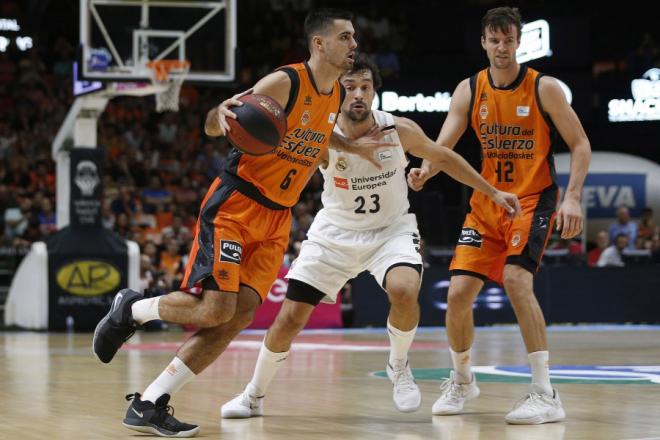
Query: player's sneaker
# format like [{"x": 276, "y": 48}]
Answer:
[
  {"x": 156, "y": 418},
  {"x": 116, "y": 327},
  {"x": 243, "y": 406},
  {"x": 453, "y": 396},
  {"x": 406, "y": 394},
  {"x": 536, "y": 408}
]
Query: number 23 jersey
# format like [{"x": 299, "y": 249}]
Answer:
[{"x": 358, "y": 196}]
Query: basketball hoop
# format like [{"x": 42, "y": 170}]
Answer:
[{"x": 171, "y": 74}]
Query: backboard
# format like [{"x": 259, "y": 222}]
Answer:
[{"x": 119, "y": 37}]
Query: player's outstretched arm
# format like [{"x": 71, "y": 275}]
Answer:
[
  {"x": 452, "y": 130},
  {"x": 364, "y": 146},
  {"x": 417, "y": 143},
  {"x": 553, "y": 100},
  {"x": 276, "y": 85}
]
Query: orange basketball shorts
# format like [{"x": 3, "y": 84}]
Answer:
[
  {"x": 490, "y": 238},
  {"x": 237, "y": 242}
]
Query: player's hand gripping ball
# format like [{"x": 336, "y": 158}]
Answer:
[{"x": 259, "y": 127}]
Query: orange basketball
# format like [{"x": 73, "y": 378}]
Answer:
[{"x": 259, "y": 127}]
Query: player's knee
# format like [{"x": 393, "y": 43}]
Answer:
[
  {"x": 243, "y": 317},
  {"x": 517, "y": 286},
  {"x": 402, "y": 295},
  {"x": 216, "y": 312},
  {"x": 458, "y": 300},
  {"x": 290, "y": 321}
]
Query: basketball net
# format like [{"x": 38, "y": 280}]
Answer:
[{"x": 171, "y": 74}]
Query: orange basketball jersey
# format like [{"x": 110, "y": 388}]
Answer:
[
  {"x": 311, "y": 116},
  {"x": 515, "y": 133}
]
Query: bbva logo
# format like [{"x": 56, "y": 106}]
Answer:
[{"x": 88, "y": 278}]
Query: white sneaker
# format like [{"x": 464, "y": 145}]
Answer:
[
  {"x": 453, "y": 396},
  {"x": 406, "y": 394},
  {"x": 243, "y": 406},
  {"x": 536, "y": 408}
]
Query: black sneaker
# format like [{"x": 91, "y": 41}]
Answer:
[
  {"x": 158, "y": 418},
  {"x": 116, "y": 327}
]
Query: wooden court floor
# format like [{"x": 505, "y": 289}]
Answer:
[{"x": 51, "y": 387}]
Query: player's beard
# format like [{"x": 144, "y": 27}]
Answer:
[{"x": 356, "y": 117}]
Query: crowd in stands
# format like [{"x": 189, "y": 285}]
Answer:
[{"x": 639, "y": 241}]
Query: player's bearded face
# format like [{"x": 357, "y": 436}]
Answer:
[{"x": 359, "y": 95}]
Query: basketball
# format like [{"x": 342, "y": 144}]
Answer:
[{"x": 259, "y": 127}]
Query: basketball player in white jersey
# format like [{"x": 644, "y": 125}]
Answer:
[{"x": 364, "y": 225}]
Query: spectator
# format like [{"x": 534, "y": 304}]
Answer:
[
  {"x": 654, "y": 246},
  {"x": 646, "y": 227},
  {"x": 623, "y": 225},
  {"x": 46, "y": 217},
  {"x": 602, "y": 240},
  {"x": 176, "y": 230},
  {"x": 170, "y": 264},
  {"x": 612, "y": 255}
]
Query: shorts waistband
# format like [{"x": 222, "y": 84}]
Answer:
[{"x": 249, "y": 190}]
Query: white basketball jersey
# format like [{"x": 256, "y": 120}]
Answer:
[{"x": 357, "y": 195}]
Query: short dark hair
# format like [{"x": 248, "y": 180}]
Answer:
[
  {"x": 363, "y": 62},
  {"x": 501, "y": 19},
  {"x": 318, "y": 19}
]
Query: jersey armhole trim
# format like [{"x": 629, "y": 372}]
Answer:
[
  {"x": 546, "y": 117},
  {"x": 293, "y": 91},
  {"x": 473, "y": 87}
]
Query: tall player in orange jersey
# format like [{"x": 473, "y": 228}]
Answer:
[
  {"x": 243, "y": 227},
  {"x": 513, "y": 110}
]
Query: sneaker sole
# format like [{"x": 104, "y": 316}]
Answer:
[
  {"x": 96, "y": 332},
  {"x": 408, "y": 409},
  {"x": 98, "y": 327},
  {"x": 538, "y": 420},
  {"x": 238, "y": 416},
  {"x": 458, "y": 411},
  {"x": 152, "y": 430}
]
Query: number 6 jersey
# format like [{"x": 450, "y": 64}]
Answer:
[{"x": 357, "y": 195}]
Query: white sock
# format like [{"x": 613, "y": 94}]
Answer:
[
  {"x": 267, "y": 365},
  {"x": 145, "y": 310},
  {"x": 462, "y": 365},
  {"x": 176, "y": 375},
  {"x": 400, "y": 342},
  {"x": 540, "y": 371}
]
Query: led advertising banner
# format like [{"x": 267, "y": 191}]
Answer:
[{"x": 644, "y": 104}]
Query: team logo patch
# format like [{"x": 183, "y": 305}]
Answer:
[
  {"x": 331, "y": 118},
  {"x": 341, "y": 182},
  {"x": 230, "y": 251},
  {"x": 384, "y": 155},
  {"x": 583, "y": 374},
  {"x": 522, "y": 110},
  {"x": 515, "y": 241},
  {"x": 304, "y": 119},
  {"x": 341, "y": 164},
  {"x": 470, "y": 237},
  {"x": 483, "y": 111}
]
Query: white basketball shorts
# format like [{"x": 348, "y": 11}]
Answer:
[{"x": 332, "y": 255}]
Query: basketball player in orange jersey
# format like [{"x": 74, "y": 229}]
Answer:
[
  {"x": 243, "y": 227},
  {"x": 513, "y": 110}
]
